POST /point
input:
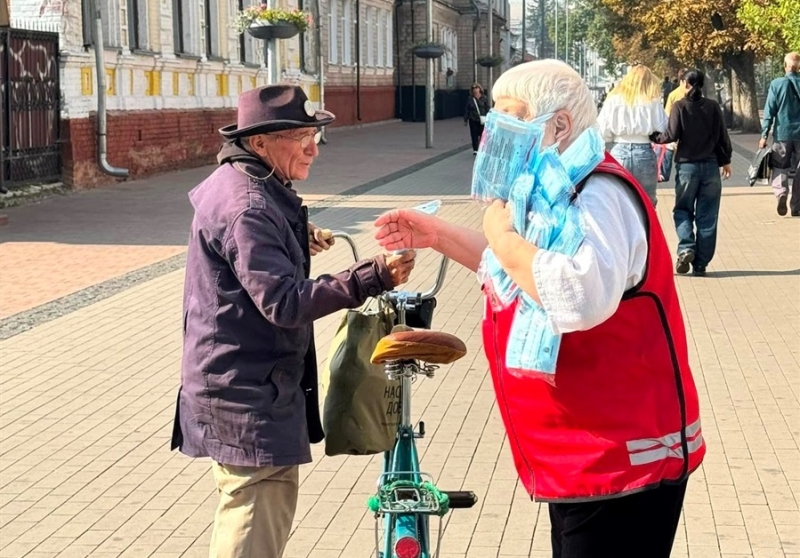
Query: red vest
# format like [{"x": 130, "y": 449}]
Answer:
[{"x": 623, "y": 415}]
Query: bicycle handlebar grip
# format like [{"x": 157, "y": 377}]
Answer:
[{"x": 461, "y": 500}]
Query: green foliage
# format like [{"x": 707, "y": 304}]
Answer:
[{"x": 777, "y": 22}]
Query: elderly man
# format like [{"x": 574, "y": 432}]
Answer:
[
  {"x": 248, "y": 395},
  {"x": 611, "y": 444},
  {"x": 782, "y": 116}
]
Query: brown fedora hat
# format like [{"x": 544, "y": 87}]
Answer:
[{"x": 273, "y": 108}]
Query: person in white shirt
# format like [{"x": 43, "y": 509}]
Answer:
[{"x": 633, "y": 111}]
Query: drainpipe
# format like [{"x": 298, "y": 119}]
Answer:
[
  {"x": 413, "y": 67},
  {"x": 321, "y": 63},
  {"x": 102, "y": 141},
  {"x": 358, "y": 60},
  {"x": 429, "y": 77},
  {"x": 397, "y": 65},
  {"x": 490, "y": 21}
]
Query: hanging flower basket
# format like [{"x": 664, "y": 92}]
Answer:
[
  {"x": 271, "y": 23},
  {"x": 490, "y": 61},
  {"x": 267, "y": 31},
  {"x": 428, "y": 50}
]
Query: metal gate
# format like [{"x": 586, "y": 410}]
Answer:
[{"x": 30, "y": 100}]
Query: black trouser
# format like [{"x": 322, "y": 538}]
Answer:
[
  {"x": 641, "y": 525},
  {"x": 475, "y": 131}
]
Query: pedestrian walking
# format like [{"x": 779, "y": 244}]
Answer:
[
  {"x": 475, "y": 114},
  {"x": 248, "y": 395},
  {"x": 633, "y": 111},
  {"x": 678, "y": 92},
  {"x": 703, "y": 154},
  {"x": 782, "y": 117},
  {"x": 666, "y": 89}
]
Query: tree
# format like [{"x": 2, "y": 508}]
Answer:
[
  {"x": 703, "y": 33},
  {"x": 777, "y": 22}
]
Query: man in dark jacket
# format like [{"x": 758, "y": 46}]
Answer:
[
  {"x": 782, "y": 117},
  {"x": 248, "y": 396}
]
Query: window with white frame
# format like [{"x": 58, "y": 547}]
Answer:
[
  {"x": 333, "y": 32},
  {"x": 138, "y": 28},
  {"x": 347, "y": 33},
  {"x": 381, "y": 25},
  {"x": 389, "y": 41},
  {"x": 110, "y": 10},
  {"x": 454, "y": 51},
  {"x": 361, "y": 39},
  {"x": 248, "y": 48},
  {"x": 308, "y": 42},
  {"x": 186, "y": 27},
  {"x": 371, "y": 12},
  {"x": 211, "y": 30}
]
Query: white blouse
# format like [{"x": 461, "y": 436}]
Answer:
[
  {"x": 621, "y": 123},
  {"x": 583, "y": 291}
]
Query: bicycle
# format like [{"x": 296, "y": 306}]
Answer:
[{"x": 406, "y": 497}]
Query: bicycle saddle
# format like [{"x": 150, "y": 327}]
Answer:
[{"x": 433, "y": 347}]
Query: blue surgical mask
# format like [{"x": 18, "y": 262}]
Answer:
[{"x": 509, "y": 147}]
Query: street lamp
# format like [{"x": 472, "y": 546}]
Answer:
[{"x": 429, "y": 78}]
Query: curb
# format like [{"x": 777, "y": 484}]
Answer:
[{"x": 28, "y": 319}]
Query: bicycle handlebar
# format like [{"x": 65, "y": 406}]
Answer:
[{"x": 395, "y": 295}]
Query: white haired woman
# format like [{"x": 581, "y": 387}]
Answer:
[{"x": 611, "y": 444}]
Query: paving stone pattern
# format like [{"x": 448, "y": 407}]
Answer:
[
  {"x": 55, "y": 249},
  {"x": 87, "y": 401}
]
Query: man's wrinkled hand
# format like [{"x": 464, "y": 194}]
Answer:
[
  {"x": 319, "y": 239},
  {"x": 400, "y": 266},
  {"x": 762, "y": 143}
]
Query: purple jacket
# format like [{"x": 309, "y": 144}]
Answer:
[{"x": 248, "y": 391}]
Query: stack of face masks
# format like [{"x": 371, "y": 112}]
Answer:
[{"x": 538, "y": 185}]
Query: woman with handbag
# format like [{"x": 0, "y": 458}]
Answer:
[{"x": 475, "y": 115}]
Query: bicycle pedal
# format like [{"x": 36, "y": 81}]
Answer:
[{"x": 461, "y": 499}]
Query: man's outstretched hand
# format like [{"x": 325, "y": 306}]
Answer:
[
  {"x": 401, "y": 265},
  {"x": 405, "y": 228}
]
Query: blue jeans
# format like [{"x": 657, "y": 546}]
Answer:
[
  {"x": 698, "y": 190},
  {"x": 666, "y": 164},
  {"x": 640, "y": 160}
]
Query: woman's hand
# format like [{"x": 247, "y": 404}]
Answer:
[
  {"x": 402, "y": 229},
  {"x": 497, "y": 222}
]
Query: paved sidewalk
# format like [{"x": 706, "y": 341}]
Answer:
[
  {"x": 65, "y": 244},
  {"x": 87, "y": 400}
]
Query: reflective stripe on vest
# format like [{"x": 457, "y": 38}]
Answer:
[{"x": 650, "y": 450}]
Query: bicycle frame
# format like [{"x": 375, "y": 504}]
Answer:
[{"x": 407, "y": 497}]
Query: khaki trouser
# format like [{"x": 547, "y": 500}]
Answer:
[{"x": 255, "y": 512}]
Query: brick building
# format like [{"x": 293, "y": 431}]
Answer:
[
  {"x": 358, "y": 47},
  {"x": 462, "y": 27},
  {"x": 174, "y": 71}
]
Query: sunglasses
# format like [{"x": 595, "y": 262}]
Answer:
[{"x": 305, "y": 140}]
